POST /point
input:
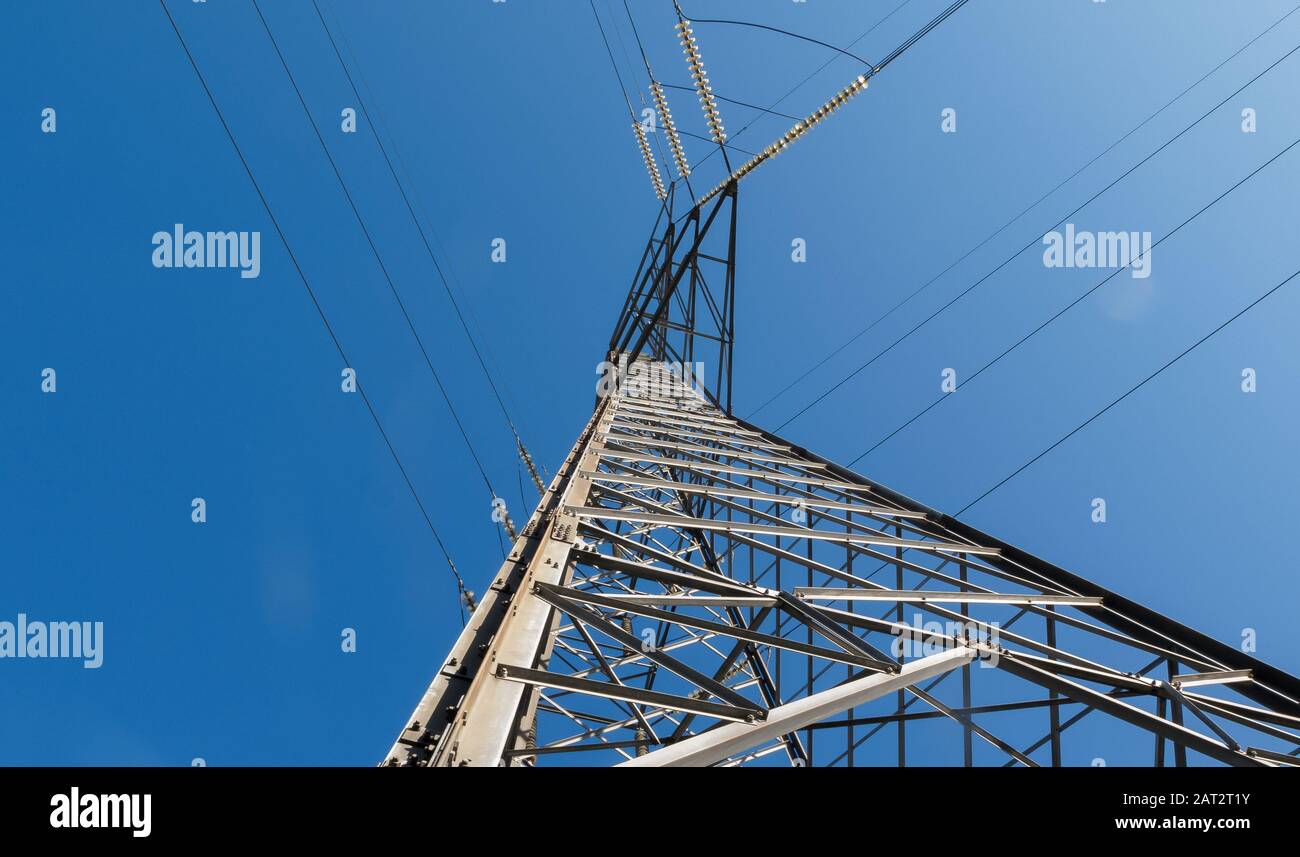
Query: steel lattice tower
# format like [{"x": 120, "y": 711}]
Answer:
[{"x": 694, "y": 590}]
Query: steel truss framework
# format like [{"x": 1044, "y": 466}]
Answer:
[
  {"x": 693, "y": 590},
  {"x": 681, "y": 306}
]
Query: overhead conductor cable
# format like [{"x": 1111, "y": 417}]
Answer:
[
  {"x": 800, "y": 128},
  {"x": 656, "y": 181}
]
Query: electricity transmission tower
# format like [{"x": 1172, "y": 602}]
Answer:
[{"x": 694, "y": 590}]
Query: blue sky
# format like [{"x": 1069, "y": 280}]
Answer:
[{"x": 222, "y": 639}]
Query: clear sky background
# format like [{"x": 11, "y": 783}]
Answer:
[{"x": 223, "y": 639}]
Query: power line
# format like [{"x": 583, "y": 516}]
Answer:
[
  {"x": 1078, "y": 300},
  {"x": 737, "y": 102},
  {"x": 523, "y": 452},
  {"x": 637, "y": 35},
  {"x": 665, "y": 115},
  {"x": 1031, "y": 243},
  {"x": 651, "y": 165},
  {"x": 631, "y": 66},
  {"x": 617, "y": 74},
  {"x": 414, "y": 192},
  {"x": 898, "y": 51},
  {"x": 867, "y": 63},
  {"x": 802, "y": 127},
  {"x": 1022, "y": 213},
  {"x": 460, "y": 583},
  {"x": 378, "y": 259},
  {"x": 1099, "y": 413},
  {"x": 816, "y": 72},
  {"x": 728, "y": 144},
  {"x": 1131, "y": 390}
]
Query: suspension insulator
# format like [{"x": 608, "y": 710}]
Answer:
[
  {"x": 710, "y": 106},
  {"x": 799, "y": 128},
  {"x": 532, "y": 468},
  {"x": 651, "y": 167},
  {"x": 626, "y": 622},
  {"x": 670, "y": 129}
]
